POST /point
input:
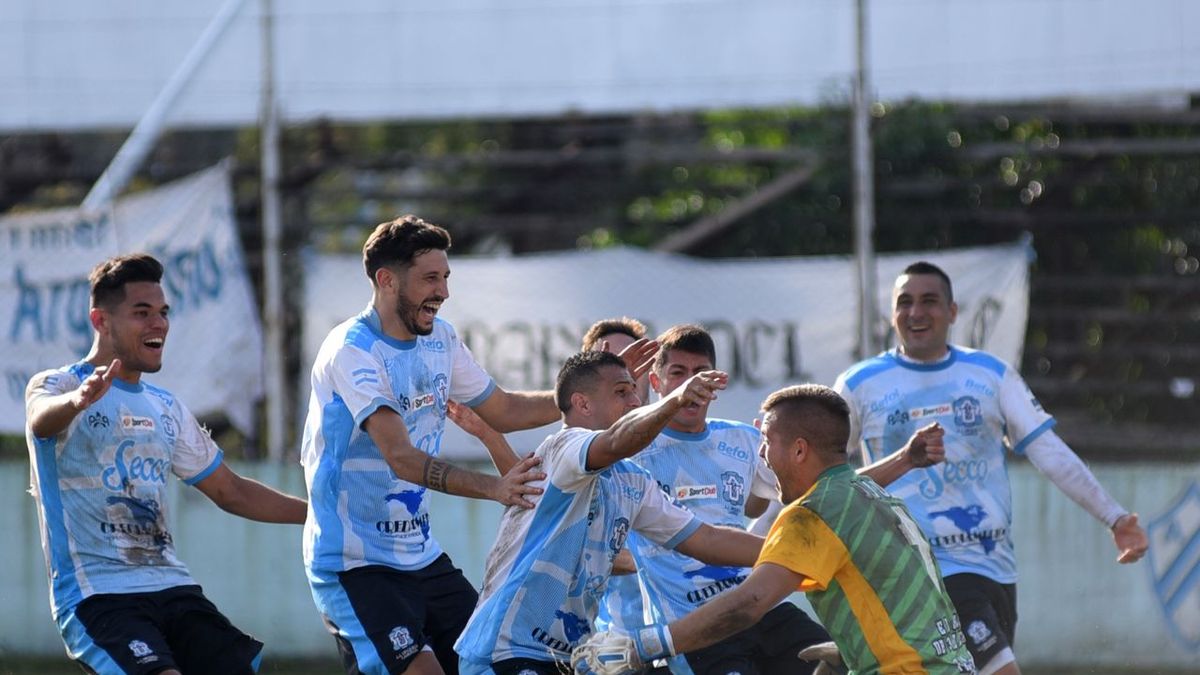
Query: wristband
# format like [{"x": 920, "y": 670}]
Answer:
[{"x": 653, "y": 642}]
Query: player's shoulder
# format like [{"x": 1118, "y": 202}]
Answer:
[
  {"x": 158, "y": 393},
  {"x": 63, "y": 378},
  {"x": 732, "y": 431},
  {"x": 854, "y": 376},
  {"x": 981, "y": 359}
]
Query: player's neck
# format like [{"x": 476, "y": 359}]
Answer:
[
  {"x": 926, "y": 355},
  {"x": 101, "y": 355}
]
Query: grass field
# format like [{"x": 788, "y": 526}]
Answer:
[{"x": 63, "y": 667}]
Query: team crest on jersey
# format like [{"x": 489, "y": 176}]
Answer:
[
  {"x": 1174, "y": 535},
  {"x": 135, "y": 423},
  {"x": 685, "y": 492},
  {"x": 968, "y": 415},
  {"x": 620, "y": 532},
  {"x": 733, "y": 487},
  {"x": 168, "y": 427},
  {"x": 441, "y": 387}
]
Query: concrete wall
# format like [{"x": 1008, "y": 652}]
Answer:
[{"x": 1076, "y": 605}]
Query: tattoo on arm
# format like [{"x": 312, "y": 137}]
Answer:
[{"x": 436, "y": 474}]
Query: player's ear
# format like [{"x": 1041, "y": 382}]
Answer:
[
  {"x": 384, "y": 278},
  {"x": 97, "y": 317},
  {"x": 654, "y": 381},
  {"x": 953, "y": 311},
  {"x": 580, "y": 402}
]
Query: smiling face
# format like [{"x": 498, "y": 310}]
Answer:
[
  {"x": 614, "y": 395},
  {"x": 419, "y": 291},
  {"x": 780, "y": 456},
  {"x": 135, "y": 330},
  {"x": 676, "y": 368},
  {"x": 922, "y": 314}
]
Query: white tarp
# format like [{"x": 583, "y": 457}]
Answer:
[
  {"x": 776, "y": 321},
  {"x": 214, "y": 348}
]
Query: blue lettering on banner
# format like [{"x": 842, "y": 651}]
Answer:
[
  {"x": 191, "y": 276},
  {"x": 46, "y": 309},
  {"x": 1174, "y": 536}
]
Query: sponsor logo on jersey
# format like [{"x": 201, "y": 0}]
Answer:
[
  {"x": 968, "y": 415},
  {"x": 423, "y": 401},
  {"x": 686, "y": 492},
  {"x": 97, "y": 420},
  {"x": 135, "y": 423},
  {"x": 733, "y": 451},
  {"x": 433, "y": 344},
  {"x": 128, "y": 467},
  {"x": 886, "y": 401},
  {"x": 897, "y": 417},
  {"x": 930, "y": 411},
  {"x": 1174, "y": 568}
]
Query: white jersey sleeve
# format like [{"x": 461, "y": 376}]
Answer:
[
  {"x": 469, "y": 382},
  {"x": 566, "y": 459},
  {"x": 49, "y": 383},
  {"x": 362, "y": 382},
  {"x": 764, "y": 483},
  {"x": 196, "y": 455},
  {"x": 663, "y": 521},
  {"x": 1024, "y": 419}
]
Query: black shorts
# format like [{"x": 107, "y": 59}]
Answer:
[
  {"x": 988, "y": 612},
  {"x": 382, "y": 617},
  {"x": 768, "y": 647},
  {"x": 146, "y": 633}
]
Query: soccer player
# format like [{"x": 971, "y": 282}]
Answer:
[
  {"x": 102, "y": 443},
  {"x": 549, "y": 566},
  {"x": 842, "y": 539},
  {"x": 711, "y": 467},
  {"x": 965, "y": 505},
  {"x": 381, "y": 385},
  {"x": 621, "y": 606}
]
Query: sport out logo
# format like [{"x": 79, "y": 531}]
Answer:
[{"x": 1176, "y": 571}]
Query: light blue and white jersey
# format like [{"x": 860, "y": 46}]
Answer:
[
  {"x": 101, "y": 487},
  {"x": 550, "y": 564},
  {"x": 359, "y": 512},
  {"x": 710, "y": 473},
  {"x": 964, "y": 505},
  {"x": 622, "y": 607}
]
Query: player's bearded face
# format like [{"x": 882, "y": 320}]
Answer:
[
  {"x": 136, "y": 329},
  {"x": 422, "y": 290}
]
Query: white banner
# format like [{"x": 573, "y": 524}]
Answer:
[
  {"x": 775, "y": 321},
  {"x": 213, "y": 359}
]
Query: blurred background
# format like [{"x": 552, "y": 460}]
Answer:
[{"x": 735, "y": 136}]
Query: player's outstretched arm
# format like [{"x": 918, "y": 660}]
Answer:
[
  {"x": 507, "y": 411},
  {"x": 925, "y": 448},
  {"x": 50, "y": 415},
  {"x": 728, "y": 546},
  {"x": 637, "y": 428},
  {"x": 502, "y": 454},
  {"x": 619, "y": 653},
  {"x": 251, "y": 499},
  {"x": 1130, "y": 539},
  {"x": 386, "y": 428}
]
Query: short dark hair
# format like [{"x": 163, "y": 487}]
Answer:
[
  {"x": 108, "y": 278},
  {"x": 922, "y": 267},
  {"x": 623, "y": 326},
  {"x": 580, "y": 373},
  {"x": 399, "y": 241},
  {"x": 685, "y": 337},
  {"x": 813, "y": 411}
]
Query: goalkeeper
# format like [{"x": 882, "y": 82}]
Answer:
[{"x": 851, "y": 547}]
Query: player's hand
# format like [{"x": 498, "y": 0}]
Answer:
[
  {"x": 618, "y": 653},
  {"x": 828, "y": 657},
  {"x": 512, "y": 488},
  {"x": 638, "y": 356},
  {"x": 926, "y": 447},
  {"x": 701, "y": 388},
  {"x": 1130, "y": 539},
  {"x": 95, "y": 386},
  {"x": 468, "y": 421}
]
